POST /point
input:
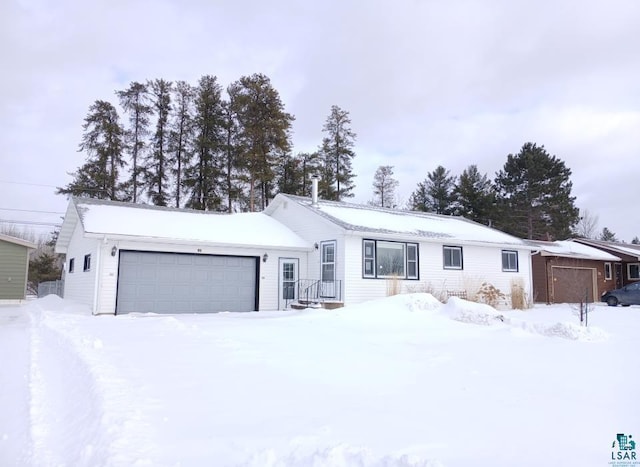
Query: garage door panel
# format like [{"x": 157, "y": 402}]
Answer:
[
  {"x": 572, "y": 285},
  {"x": 182, "y": 283}
]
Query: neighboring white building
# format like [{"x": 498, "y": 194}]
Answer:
[{"x": 124, "y": 257}]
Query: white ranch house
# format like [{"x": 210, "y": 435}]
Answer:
[{"x": 124, "y": 257}]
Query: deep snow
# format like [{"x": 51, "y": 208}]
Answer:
[{"x": 403, "y": 381}]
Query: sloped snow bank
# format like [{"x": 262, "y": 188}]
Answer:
[
  {"x": 566, "y": 331},
  {"x": 482, "y": 314},
  {"x": 341, "y": 455}
]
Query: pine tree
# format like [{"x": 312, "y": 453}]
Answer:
[
  {"x": 293, "y": 173},
  {"x": 180, "y": 136},
  {"x": 157, "y": 164},
  {"x": 435, "y": 193},
  {"x": 607, "y": 235},
  {"x": 264, "y": 133},
  {"x": 337, "y": 154},
  {"x": 384, "y": 187},
  {"x": 635, "y": 241},
  {"x": 103, "y": 142},
  {"x": 135, "y": 102},
  {"x": 202, "y": 176},
  {"x": 534, "y": 195},
  {"x": 474, "y": 196},
  {"x": 231, "y": 153}
]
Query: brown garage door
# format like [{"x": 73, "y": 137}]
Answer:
[{"x": 572, "y": 285}]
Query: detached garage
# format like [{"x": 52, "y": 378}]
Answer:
[{"x": 132, "y": 258}]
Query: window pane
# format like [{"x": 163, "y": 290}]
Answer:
[
  {"x": 634, "y": 271},
  {"x": 328, "y": 272},
  {"x": 510, "y": 261},
  {"x": 412, "y": 272},
  {"x": 453, "y": 257},
  {"x": 390, "y": 259},
  {"x": 368, "y": 267},
  {"x": 328, "y": 253}
]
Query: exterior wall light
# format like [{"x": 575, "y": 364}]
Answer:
[
  {"x": 265, "y": 257},
  {"x": 114, "y": 250}
]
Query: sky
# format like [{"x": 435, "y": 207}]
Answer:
[{"x": 426, "y": 83}]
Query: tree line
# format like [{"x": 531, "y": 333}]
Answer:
[
  {"x": 202, "y": 147},
  {"x": 530, "y": 197},
  {"x": 229, "y": 149}
]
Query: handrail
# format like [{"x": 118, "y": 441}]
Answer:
[{"x": 317, "y": 291}]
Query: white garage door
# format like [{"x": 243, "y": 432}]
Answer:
[{"x": 185, "y": 283}]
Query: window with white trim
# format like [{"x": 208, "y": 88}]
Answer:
[
  {"x": 87, "y": 263},
  {"x": 381, "y": 259},
  {"x": 72, "y": 263},
  {"x": 633, "y": 271},
  {"x": 608, "y": 275},
  {"x": 509, "y": 261},
  {"x": 452, "y": 257}
]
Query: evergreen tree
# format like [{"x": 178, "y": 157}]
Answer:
[
  {"x": 231, "y": 174},
  {"x": 203, "y": 174},
  {"x": 135, "y": 102},
  {"x": 293, "y": 173},
  {"x": 607, "y": 235},
  {"x": 534, "y": 195},
  {"x": 157, "y": 167},
  {"x": 384, "y": 187},
  {"x": 264, "y": 133},
  {"x": 474, "y": 196},
  {"x": 103, "y": 142},
  {"x": 435, "y": 193},
  {"x": 180, "y": 136},
  {"x": 635, "y": 241},
  {"x": 337, "y": 154},
  {"x": 43, "y": 267}
]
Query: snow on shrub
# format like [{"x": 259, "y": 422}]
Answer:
[
  {"x": 570, "y": 331},
  {"x": 471, "y": 312}
]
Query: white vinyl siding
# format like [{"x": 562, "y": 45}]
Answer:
[{"x": 78, "y": 285}]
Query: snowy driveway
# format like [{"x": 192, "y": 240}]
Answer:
[{"x": 392, "y": 383}]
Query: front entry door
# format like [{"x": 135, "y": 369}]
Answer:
[{"x": 288, "y": 268}]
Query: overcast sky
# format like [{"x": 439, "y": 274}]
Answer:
[{"x": 427, "y": 83}]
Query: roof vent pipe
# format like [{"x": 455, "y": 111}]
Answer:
[{"x": 314, "y": 190}]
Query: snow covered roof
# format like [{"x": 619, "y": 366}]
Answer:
[
  {"x": 570, "y": 249},
  {"x": 152, "y": 222},
  {"x": 420, "y": 225},
  {"x": 18, "y": 241},
  {"x": 615, "y": 247}
]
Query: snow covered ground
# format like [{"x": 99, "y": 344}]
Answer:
[{"x": 403, "y": 381}]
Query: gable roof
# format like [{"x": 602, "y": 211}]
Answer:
[
  {"x": 570, "y": 249},
  {"x": 407, "y": 224},
  {"x": 153, "y": 223},
  {"x": 626, "y": 250},
  {"x": 18, "y": 241}
]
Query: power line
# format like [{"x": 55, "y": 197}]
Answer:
[
  {"x": 25, "y": 183},
  {"x": 7, "y": 221},
  {"x": 31, "y": 210}
]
